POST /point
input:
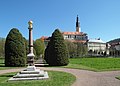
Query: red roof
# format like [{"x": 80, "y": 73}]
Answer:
[{"x": 44, "y": 37}]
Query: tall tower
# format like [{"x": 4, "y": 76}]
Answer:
[{"x": 78, "y": 25}]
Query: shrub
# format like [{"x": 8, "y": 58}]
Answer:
[
  {"x": 56, "y": 52},
  {"x": 15, "y": 51}
]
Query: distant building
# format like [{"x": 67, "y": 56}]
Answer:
[
  {"x": 97, "y": 47},
  {"x": 116, "y": 45},
  {"x": 115, "y": 49},
  {"x": 45, "y": 39},
  {"x": 76, "y": 36}
]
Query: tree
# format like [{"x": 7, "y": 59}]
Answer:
[
  {"x": 39, "y": 47},
  {"x": 76, "y": 49},
  {"x": 15, "y": 50},
  {"x": 2, "y": 43},
  {"x": 56, "y": 52},
  {"x": 26, "y": 45},
  {"x": 82, "y": 49},
  {"x": 72, "y": 48}
]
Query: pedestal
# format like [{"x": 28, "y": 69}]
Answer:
[
  {"x": 30, "y": 73},
  {"x": 30, "y": 58}
]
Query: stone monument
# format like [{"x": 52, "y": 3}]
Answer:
[
  {"x": 31, "y": 55},
  {"x": 31, "y": 72}
]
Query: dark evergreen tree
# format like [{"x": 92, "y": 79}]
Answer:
[
  {"x": 15, "y": 50},
  {"x": 56, "y": 52}
]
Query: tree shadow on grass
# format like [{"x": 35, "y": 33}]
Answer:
[
  {"x": 7, "y": 75},
  {"x": 46, "y": 65},
  {"x": 2, "y": 65}
]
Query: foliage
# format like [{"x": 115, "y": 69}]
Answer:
[
  {"x": 56, "y": 79},
  {"x": 95, "y": 64},
  {"x": 71, "y": 48},
  {"x": 39, "y": 47},
  {"x": 81, "y": 49},
  {"x": 15, "y": 51},
  {"x": 2, "y": 65},
  {"x": 2, "y": 45},
  {"x": 34, "y": 51},
  {"x": 114, "y": 41},
  {"x": 76, "y": 49},
  {"x": 26, "y": 45},
  {"x": 118, "y": 77},
  {"x": 56, "y": 52}
]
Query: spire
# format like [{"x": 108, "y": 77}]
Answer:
[{"x": 77, "y": 25}]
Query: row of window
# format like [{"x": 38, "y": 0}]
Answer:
[{"x": 75, "y": 37}]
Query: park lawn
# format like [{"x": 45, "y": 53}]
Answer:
[
  {"x": 56, "y": 79},
  {"x": 2, "y": 65},
  {"x": 95, "y": 64},
  {"x": 118, "y": 77}
]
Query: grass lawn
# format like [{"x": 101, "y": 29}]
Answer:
[
  {"x": 1, "y": 62},
  {"x": 118, "y": 77},
  {"x": 56, "y": 79},
  {"x": 95, "y": 64},
  {"x": 2, "y": 65}
]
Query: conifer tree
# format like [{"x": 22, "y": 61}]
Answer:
[
  {"x": 56, "y": 52},
  {"x": 15, "y": 51}
]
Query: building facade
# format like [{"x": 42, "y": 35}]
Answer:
[
  {"x": 94, "y": 46},
  {"x": 76, "y": 36},
  {"x": 115, "y": 49},
  {"x": 97, "y": 47}
]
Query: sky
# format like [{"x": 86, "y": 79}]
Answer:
[{"x": 98, "y": 18}]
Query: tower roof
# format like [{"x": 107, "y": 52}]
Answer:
[
  {"x": 77, "y": 25},
  {"x": 77, "y": 21}
]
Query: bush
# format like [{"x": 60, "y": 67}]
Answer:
[
  {"x": 56, "y": 52},
  {"x": 15, "y": 50}
]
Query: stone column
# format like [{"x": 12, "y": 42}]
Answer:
[{"x": 31, "y": 54}]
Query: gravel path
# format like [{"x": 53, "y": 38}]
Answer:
[{"x": 84, "y": 77}]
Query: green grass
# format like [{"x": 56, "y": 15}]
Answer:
[
  {"x": 56, "y": 79},
  {"x": 95, "y": 64},
  {"x": 1, "y": 62},
  {"x": 2, "y": 65},
  {"x": 118, "y": 77}
]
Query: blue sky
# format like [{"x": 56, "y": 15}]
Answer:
[{"x": 98, "y": 18}]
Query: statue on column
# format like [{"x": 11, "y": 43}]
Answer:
[{"x": 31, "y": 54}]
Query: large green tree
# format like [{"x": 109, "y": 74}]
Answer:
[
  {"x": 15, "y": 50},
  {"x": 56, "y": 52},
  {"x": 39, "y": 47}
]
